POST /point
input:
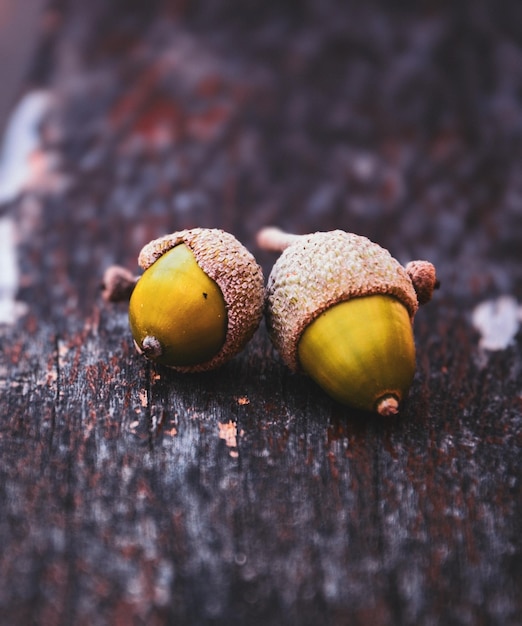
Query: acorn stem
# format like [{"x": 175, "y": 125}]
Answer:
[
  {"x": 118, "y": 284},
  {"x": 424, "y": 279},
  {"x": 387, "y": 406},
  {"x": 274, "y": 239}
]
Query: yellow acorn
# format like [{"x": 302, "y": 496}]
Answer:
[
  {"x": 198, "y": 302},
  {"x": 340, "y": 308}
]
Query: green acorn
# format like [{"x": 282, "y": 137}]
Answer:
[
  {"x": 340, "y": 308},
  {"x": 198, "y": 302}
]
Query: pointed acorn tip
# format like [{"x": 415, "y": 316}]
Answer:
[
  {"x": 150, "y": 347},
  {"x": 387, "y": 406}
]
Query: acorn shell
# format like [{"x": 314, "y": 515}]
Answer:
[
  {"x": 361, "y": 352},
  {"x": 177, "y": 313},
  {"x": 323, "y": 269},
  {"x": 226, "y": 261}
]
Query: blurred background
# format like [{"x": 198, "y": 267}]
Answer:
[{"x": 396, "y": 120}]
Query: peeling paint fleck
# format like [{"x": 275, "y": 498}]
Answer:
[
  {"x": 228, "y": 432},
  {"x": 498, "y": 322}
]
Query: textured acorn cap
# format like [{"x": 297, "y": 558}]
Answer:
[
  {"x": 322, "y": 269},
  {"x": 226, "y": 261}
]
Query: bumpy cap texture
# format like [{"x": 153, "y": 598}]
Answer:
[
  {"x": 323, "y": 269},
  {"x": 224, "y": 259}
]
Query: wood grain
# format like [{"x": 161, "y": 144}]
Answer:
[{"x": 130, "y": 494}]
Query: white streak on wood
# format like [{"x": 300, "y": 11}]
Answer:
[
  {"x": 10, "y": 309},
  {"x": 20, "y": 142}
]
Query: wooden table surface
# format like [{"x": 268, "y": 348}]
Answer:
[{"x": 130, "y": 494}]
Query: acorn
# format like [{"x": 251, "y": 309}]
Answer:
[
  {"x": 198, "y": 302},
  {"x": 340, "y": 308}
]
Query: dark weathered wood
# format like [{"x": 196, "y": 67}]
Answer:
[{"x": 130, "y": 494}]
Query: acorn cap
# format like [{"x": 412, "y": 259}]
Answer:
[
  {"x": 226, "y": 261},
  {"x": 322, "y": 269}
]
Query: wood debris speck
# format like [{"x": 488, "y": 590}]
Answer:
[{"x": 228, "y": 432}]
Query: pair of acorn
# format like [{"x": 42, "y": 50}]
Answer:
[{"x": 338, "y": 307}]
